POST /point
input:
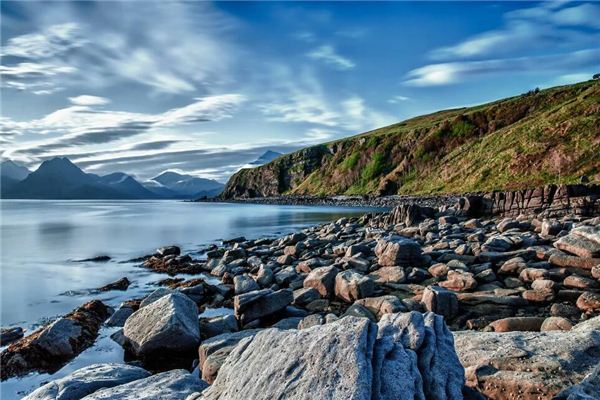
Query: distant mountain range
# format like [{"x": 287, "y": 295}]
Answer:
[{"x": 59, "y": 178}]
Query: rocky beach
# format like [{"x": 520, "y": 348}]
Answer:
[{"x": 466, "y": 299}]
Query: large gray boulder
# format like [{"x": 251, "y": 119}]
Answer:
[
  {"x": 168, "y": 325},
  {"x": 87, "y": 380},
  {"x": 416, "y": 358},
  {"x": 537, "y": 365},
  {"x": 331, "y": 361},
  {"x": 587, "y": 389},
  {"x": 405, "y": 357},
  {"x": 260, "y": 303},
  {"x": 173, "y": 385}
]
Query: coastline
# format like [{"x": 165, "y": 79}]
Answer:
[
  {"x": 341, "y": 200},
  {"x": 478, "y": 275}
]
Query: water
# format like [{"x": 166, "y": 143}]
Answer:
[{"x": 41, "y": 241}]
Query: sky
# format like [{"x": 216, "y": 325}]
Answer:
[{"x": 204, "y": 88}]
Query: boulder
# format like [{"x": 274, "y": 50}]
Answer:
[
  {"x": 399, "y": 252},
  {"x": 351, "y": 286},
  {"x": 9, "y": 335},
  {"x": 260, "y": 303},
  {"x": 351, "y": 358},
  {"x": 119, "y": 317},
  {"x": 511, "y": 324},
  {"x": 244, "y": 284},
  {"x": 166, "y": 328},
  {"x": 157, "y": 294},
  {"x": 333, "y": 360},
  {"x": 218, "y": 325},
  {"x": 388, "y": 275},
  {"x": 51, "y": 346},
  {"x": 382, "y": 305},
  {"x": 589, "y": 302},
  {"x": 176, "y": 384},
  {"x": 414, "y": 358},
  {"x": 224, "y": 341},
  {"x": 168, "y": 251},
  {"x": 323, "y": 280},
  {"x": 121, "y": 284},
  {"x": 583, "y": 241},
  {"x": 534, "y": 365},
  {"x": 304, "y": 296},
  {"x": 88, "y": 380},
  {"x": 556, "y": 324},
  {"x": 459, "y": 281},
  {"x": 440, "y": 301}
]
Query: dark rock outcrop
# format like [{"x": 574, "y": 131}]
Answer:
[{"x": 50, "y": 347}]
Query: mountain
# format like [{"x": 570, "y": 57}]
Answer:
[
  {"x": 539, "y": 137},
  {"x": 11, "y": 173},
  {"x": 126, "y": 184},
  {"x": 266, "y": 157},
  {"x": 184, "y": 186},
  {"x": 13, "y": 170},
  {"x": 59, "y": 178}
]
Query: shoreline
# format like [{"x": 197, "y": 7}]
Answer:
[
  {"x": 342, "y": 200},
  {"x": 477, "y": 274}
]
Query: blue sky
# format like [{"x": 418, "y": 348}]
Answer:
[{"x": 142, "y": 87}]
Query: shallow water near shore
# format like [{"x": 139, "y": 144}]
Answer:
[{"x": 41, "y": 242}]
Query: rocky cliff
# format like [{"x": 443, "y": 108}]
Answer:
[{"x": 538, "y": 138}]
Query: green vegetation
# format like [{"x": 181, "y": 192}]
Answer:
[
  {"x": 351, "y": 161},
  {"x": 374, "y": 168},
  {"x": 543, "y": 136}
]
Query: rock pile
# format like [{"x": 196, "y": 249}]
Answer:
[{"x": 352, "y": 293}]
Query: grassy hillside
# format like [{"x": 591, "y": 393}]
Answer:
[{"x": 540, "y": 137}]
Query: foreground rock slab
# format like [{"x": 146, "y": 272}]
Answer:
[
  {"x": 87, "y": 380},
  {"x": 536, "y": 366},
  {"x": 406, "y": 356},
  {"x": 173, "y": 385},
  {"x": 51, "y": 346}
]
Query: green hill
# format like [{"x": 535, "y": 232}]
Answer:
[{"x": 540, "y": 137}]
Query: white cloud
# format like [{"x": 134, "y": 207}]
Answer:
[
  {"x": 87, "y": 100},
  {"x": 398, "y": 99},
  {"x": 51, "y": 41},
  {"x": 328, "y": 55},
  {"x": 531, "y": 29},
  {"x": 454, "y": 72}
]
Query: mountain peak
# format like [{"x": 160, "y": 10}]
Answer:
[{"x": 12, "y": 170}]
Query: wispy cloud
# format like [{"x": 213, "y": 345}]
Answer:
[
  {"x": 105, "y": 48},
  {"x": 526, "y": 37},
  {"x": 398, "y": 99},
  {"x": 531, "y": 29},
  {"x": 455, "y": 72},
  {"x": 80, "y": 125},
  {"x": 329, "y": 56}
]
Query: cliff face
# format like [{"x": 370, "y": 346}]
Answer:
[
  {"x": 538, "y": 138},
  {"x": 279, "y": 176}
]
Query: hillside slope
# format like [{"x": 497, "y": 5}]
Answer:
[{"x": 548, "y": 136}]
